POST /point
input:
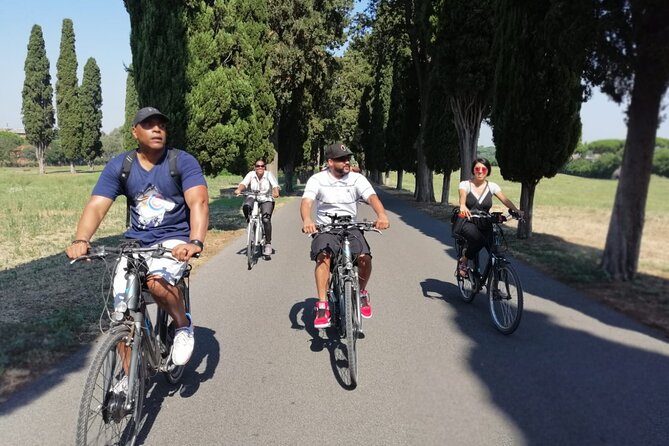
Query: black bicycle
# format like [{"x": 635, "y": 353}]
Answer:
[
  {"x": 344, "y": 288},
  {"x": 132, "y": 351},
  {"x": 505, "y": 293}
]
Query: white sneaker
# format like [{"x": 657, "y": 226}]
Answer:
[
  {"x": 268, "y": 250},
  {"x": 182, "y": 347}
]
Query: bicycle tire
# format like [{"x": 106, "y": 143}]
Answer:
[
  {"x": 250, "y": 248},
  {"x": 101, "y": 412},
  {"x": 505, "y": 295},
  {"x": 174, "y": 373},
  {"x": 351, "y": 333},
  {"x": 467, "y": 285},
  {"x": 335, "y": 298}
]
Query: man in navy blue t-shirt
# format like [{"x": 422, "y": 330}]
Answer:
[{"x": 162, "y": 212}]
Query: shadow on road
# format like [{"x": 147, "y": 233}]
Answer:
[
  {"x": 207, "y": 350},
  {"x": 301, "y": 317},
  {"x": 560, "y": 381}
]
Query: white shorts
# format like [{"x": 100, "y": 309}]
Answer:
[{"x": 168, "y": 268}]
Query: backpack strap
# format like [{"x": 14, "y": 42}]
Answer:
[
  {"x": 125, "y": 173},
  {"x": 172, "y": 155},
  {"x": 125, "y": 169}
]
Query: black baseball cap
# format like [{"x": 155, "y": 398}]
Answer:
[
  {"x": 337, "y": 150},
  {"x": 146, "y": 113}
]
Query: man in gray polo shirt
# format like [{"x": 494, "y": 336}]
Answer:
[{"x": 336, "y": 190}]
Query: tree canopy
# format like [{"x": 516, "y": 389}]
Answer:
[
  {"x": 67, "y": 96},
  {"x": 90, "y": 98},
  {"x": 37, "y": 95}
]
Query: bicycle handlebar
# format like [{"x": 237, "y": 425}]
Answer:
[
  {"x": 361, "y": 225},
  {"x": 256, "y": 194},
  {"x": 100, "y": 252},
  {"x": 498, "y": 217}
]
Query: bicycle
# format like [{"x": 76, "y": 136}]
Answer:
[
  {"x": 505, "y": 293},
  {"x": 344, "y": 289},
  {"x": 255, "y": 231},
  {"x": 108, "y": 413}
]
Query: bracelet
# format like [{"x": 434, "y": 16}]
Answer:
[
  {"x": 197, "y": 243},
  {"x": 74, "y": 242}
]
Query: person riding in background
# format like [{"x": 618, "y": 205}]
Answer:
[
  {"x": 336, "y": 190},
  {"x": 476, "y": 195},
  {"x": 262, "y": 182},
  {"x": 163, "y": 212}
]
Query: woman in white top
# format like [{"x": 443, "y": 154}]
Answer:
[
  {"x": 260, "y": 181},
  {"x": 476, "y": 194}
]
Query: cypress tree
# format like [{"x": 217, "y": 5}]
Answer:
[
  {"x": 537, "y": 96},
  {"x": 37, "y": 97},
  {"x": 158, "y": 45},
  {"x": 403, "y": 119},
  {"x": 630, "y": 58},
  {"x": 230, "y": 104},
  {"x": 131, "y": 107},
  {"x": 67, "y": 103},
  {"x": 90, "y": 96}
]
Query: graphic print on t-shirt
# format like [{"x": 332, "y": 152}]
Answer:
[{"x": 152, "y": 207}]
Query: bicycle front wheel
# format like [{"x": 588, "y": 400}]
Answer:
[
  {"x": 250, "y": 243},
  {"x": 468, "y": 285},
  {"x": 505, "y": 296},
  {"x": 351, "y": 324},
  {"x": 106, "y": 415}
]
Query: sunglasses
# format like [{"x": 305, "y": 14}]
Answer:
[
  {"x": 260, "y": 165},
  {"x": 481, "y": 169},
  {"x": 342, "y": 159}
]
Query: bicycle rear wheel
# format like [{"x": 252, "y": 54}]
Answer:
[
  {"x": 250, "y": 243},
  {"x": 351, "y": 332},
  {"x": 103, "y": 416},
  {"x": 505, "y": 296}
]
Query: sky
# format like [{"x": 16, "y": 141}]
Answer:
[{"x": 102, "y": 31}]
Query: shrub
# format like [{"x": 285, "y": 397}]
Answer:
[{"x": 661, "y": 162}]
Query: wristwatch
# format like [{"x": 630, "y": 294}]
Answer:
[{"x": 197, "y": 243}]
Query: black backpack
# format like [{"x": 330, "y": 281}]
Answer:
[{"x": 130, "y": 156}]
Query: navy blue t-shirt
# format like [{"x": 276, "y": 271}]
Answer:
[{"x": 158, "y": 209}]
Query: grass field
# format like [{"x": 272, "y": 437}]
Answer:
[{"x": 52, "y": 309}]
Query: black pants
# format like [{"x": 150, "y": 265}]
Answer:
[
  {"x": 477, "y": 236},
  {"x": 266, "y": 210}
]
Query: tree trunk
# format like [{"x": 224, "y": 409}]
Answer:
[
  {"x": 288, "y": 174},
  {"x": 467, "y": 117},
  {"x": 72, "y": 169},
  {"x": 526, "y": 205},
  {"x": 39, "y": 154},
  {"x": 400, "y": 179},
  {"x": 445, "y": 186},
  {"x": 620, "y": 259},
  {"x": 424, "y": 177}
]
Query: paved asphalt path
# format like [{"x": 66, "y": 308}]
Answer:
[{"x": 433, "y": 370}]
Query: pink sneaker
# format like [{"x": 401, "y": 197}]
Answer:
[
  {"x": 322, "y": 315},
  {"x": 365, "y": 306}
]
